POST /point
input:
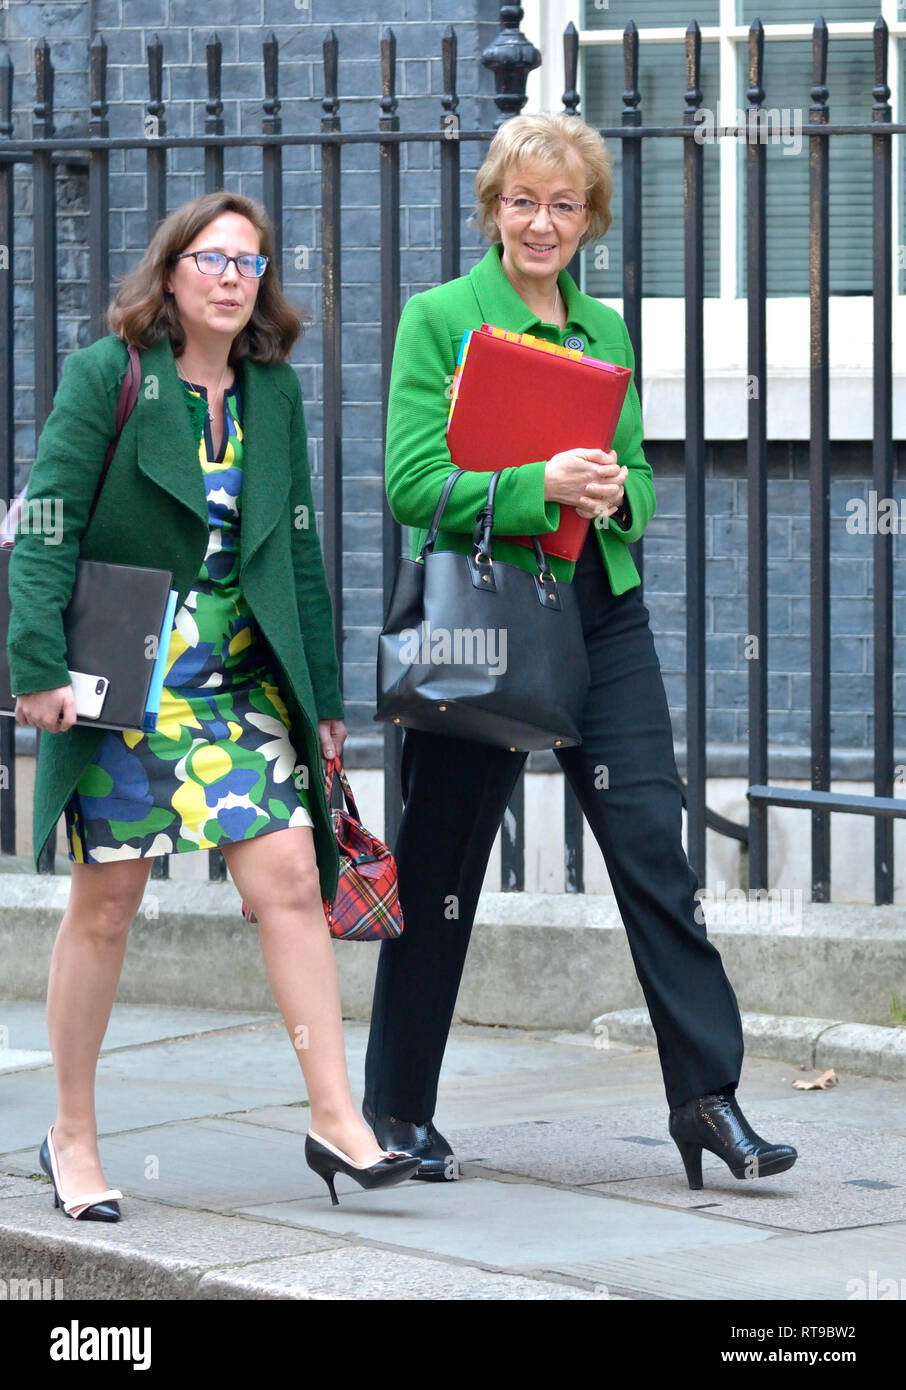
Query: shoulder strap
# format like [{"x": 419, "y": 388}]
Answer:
[{"x": 124, "y": 408}]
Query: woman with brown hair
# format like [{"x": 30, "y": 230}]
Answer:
[{"x": 210, "y": 480}]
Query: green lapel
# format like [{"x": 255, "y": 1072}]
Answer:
[
  {"x": 168, "y": 433},
  {"x": 500, "y": 304},
  {"x": 164, "y": 453},
  {"x": 266, "y": 468}
]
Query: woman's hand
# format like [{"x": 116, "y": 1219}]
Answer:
[
  {"x": 51, "y": 710},
  {"x": 332, "y": 733},
  {"x": 588, "y": 479}
]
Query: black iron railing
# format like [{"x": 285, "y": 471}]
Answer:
[{"x": 510, "y": 59}]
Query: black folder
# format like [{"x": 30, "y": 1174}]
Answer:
[{"x": 113, "y": 628}]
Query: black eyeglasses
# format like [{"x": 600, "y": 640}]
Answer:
[{"x": 216, "y": 262}]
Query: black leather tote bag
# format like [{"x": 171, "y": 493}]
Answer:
[{"x": 481, "y": 650}]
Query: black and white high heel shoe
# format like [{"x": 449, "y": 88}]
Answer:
[
  {"x": 326, "y": 1160},
  {"x": 93, "y": 1206}
]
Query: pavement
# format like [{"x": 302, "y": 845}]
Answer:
[{"x": 570, "y": 1187}]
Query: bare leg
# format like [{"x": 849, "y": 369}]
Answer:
[
  {"x": 277, "y": 875},
  {"x": 84, "y": 974}
]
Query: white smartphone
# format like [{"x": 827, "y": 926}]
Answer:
[{"x": 90, "y": 693}]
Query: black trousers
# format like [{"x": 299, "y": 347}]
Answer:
[{"x": 624, "y": 775}]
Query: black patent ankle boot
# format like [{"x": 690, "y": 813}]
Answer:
[
  {"x": 437, "y": 1163},
  {"x": 715, "y": 1122}
]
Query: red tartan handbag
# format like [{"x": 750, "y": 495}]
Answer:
[{"x": 366, "y": 906}]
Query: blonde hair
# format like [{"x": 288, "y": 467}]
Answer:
[
  {"x": 142, "y": 312},
  {"x": 553, "y": 140}
]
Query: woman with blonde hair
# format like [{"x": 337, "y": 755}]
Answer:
[
  {"x": 209, "y": 480},
  {"x": 543, "y": 191}
]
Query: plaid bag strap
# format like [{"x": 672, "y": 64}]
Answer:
[{"x": 335, "y": 765}]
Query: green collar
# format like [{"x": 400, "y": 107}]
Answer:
[{"x": 492, "y": 288}]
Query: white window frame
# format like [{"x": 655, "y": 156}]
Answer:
[{"x": 787, "y": 317}]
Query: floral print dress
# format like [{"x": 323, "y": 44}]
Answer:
[{"x": 220, "y": 766}]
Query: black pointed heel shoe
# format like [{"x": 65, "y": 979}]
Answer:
[
  {"x": 438, "y": 1162},
  {"x": 93, "y": 1206},
  {"x": 327, "y": 1161},
  {"x": 715, "y": 1122}
]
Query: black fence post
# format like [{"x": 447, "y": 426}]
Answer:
[
  {"x": 570, "y": 96},
  {"x": 630, "y": 117},
  {"x": 155, "y": 126},
  {"x": 45, "y": 285},
  {"x": 213, "y": 123},
  {"x": 272, "y": 155},
  {"x": 819, "y": 461},
  {"x": 756, "y": 456},
  {"x": 7, "y": 425},
  {"x": 571, "y": 108},
  {"x": 573, "y": 817},
  {"x": 512, "y": 840},
  {"x": 450, "y": 211},
  {"x": 694, "y": 462},
  {"x": 390, "y": 312},
  {"x": 882, "y": 462},
  {"x": 511, "y": 58},
  {"x": 332, "y": 342},
  {"x": 98, "y": 192}
]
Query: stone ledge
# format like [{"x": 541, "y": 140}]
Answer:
[
  {"x": 537, "y": 960},
  {"x": 812, "y": 1043}
]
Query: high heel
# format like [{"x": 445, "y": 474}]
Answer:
[
  {"x": 94, "y": 1206},
  {"x": 691, "y": 1154},
  {"x": 326, "y": 1160},
  {"x": 715, "y": 1122}
]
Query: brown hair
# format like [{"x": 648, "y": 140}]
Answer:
[
  {"x": 143, "y": 313},
  {"x": 553, "y": 140}
]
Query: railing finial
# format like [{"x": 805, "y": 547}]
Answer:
[{"x": 511, "y": 57}]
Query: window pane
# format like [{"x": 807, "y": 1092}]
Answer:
[
  {"x": 787, "y": 82},
  {"x": 783, "y": 12},
  {"x": 648, "y": 14},
  {"x": 662, "y": 81}
]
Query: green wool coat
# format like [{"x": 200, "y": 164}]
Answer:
[
  {"x": 153, "y": 511},
  {"x": 418, "y": 460}
]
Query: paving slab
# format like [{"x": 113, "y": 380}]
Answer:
[
  {"x": 523, "y": 1226},
  {"x": 210, "y": 1165},
  {"x": 17, "y": 1187},
  {"x": 835, "y": 1183},
  {"x": 162, "y": 1082},
  {"x": 847, "y": 1265},
  {"x": 25, "y": 1022}
]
